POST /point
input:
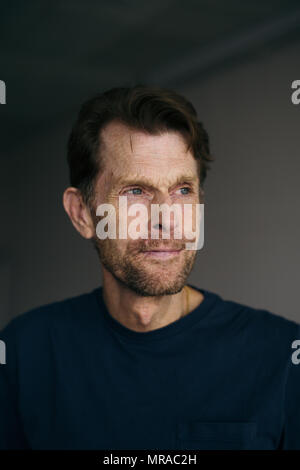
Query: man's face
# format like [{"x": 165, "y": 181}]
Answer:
[{"x": 148, "y": 170}]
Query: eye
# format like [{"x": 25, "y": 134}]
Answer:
[
  {"x": 135, "y": 191},
  {"x": 186, "y": 190}
]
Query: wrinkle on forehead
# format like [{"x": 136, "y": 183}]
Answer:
[
  {"x": 119, "y": 138},
  {"x": 155, "y": 178},
  {"x": 132, "y": 153},
  {"x": 131, "y": 143}
]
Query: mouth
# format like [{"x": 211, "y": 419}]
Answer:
[{"x": 162, "y": 254}]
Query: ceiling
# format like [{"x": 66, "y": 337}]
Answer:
[{"x": 53, "y": 55}]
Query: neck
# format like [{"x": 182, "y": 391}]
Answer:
[{"x": 140, "y": 313}]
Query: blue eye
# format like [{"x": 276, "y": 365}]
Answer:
[
  {"x": 185, "y": 189},
  {"x": 135, "y": 189}
]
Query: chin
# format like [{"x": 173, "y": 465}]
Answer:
[{"x": 147, "y": 286}]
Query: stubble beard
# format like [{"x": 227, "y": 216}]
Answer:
[{"x": 165, "y": 277}]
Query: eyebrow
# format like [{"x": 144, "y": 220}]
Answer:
[{"x": 143, "y": 181}]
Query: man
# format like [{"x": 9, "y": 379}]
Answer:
[{"x": 145, "y": 361}]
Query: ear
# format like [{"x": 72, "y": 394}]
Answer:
[{"x": 78, "y": 212}]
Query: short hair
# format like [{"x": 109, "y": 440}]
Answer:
[{"x": 146, "y": 108}]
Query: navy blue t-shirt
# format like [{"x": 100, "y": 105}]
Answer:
[{"x": 220, "y": 377}]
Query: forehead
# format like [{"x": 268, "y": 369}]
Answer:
[{"x": 122, "y": 147}]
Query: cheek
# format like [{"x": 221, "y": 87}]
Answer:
[
  {"x": 113, "y": 249},
  {"x": 132, "y": 215}
]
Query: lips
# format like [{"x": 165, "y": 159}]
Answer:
[
  {"x": 165, "y": 253},
  {"x": 163, "y": 249}
]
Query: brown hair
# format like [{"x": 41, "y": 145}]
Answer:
[{"x": 150, "y": 109}]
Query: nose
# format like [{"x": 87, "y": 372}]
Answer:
[{"x": 165, "y": 217}]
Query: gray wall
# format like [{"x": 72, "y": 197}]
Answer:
[
  {"x": 252, "y": 219},
  {"x": 252, "y": 226}
]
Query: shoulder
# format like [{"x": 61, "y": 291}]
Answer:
[
  {"x": 267, "y": 321},
  {"x": 259, "y": 331},
  {"x": 262, "y": 330},
  {"x": 40, "y": 319},
  {"x": 244, "y": 317},
  {"x": 38, "y": 336}
]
